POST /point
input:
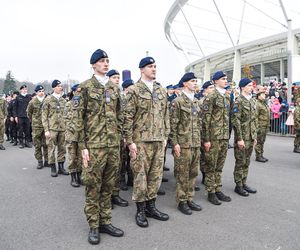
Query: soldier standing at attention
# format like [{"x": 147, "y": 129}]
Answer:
[
  {"x": 215, "y": 134},
  {"x": 297, "y": 126},
  {"x": 34, "y": 111},
  {"x": 74, "y": 154},
  {"x": 185, "y": 135},
  {"x": 146, "y": 129},
  {"x": 244, "y": 120},
  {"x": 3, "y": 114},
  {"x": 21, "y": 118},
  {"x": 99, "y": 130},
  {"x": 263, "y": 123},
  {"x": 54, "y": 126},
  {"x": 114, "y": 77}
]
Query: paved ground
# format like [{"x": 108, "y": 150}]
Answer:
[{"x": 40, "y": 212}]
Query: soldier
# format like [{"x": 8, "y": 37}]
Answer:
[
  {"x": 34, "y": 111},
  {"x": 21, "y": 118},
  {"x": 99, "y": 131},
  {"x": 14, "y": 125},
  {"x": 297, "y": 126},
  {"x": 215, "y": 131},
  {"x": 3, "y": 114},
  {"x": 263, "y": 123},
  {"x": 54, "y": 127},
  {"x": 8, "y": 123},
  {"x": 244, "y": 120},
  {"x": 146, "y": 129},
  {"x": 74, "y": 153},
  {"x": 185, "y": 135},
  {"x": 114, "y": 76}
]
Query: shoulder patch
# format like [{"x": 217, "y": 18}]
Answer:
[
  {"x": 205, "y": 107},
  {"x": 76, "y": 101},
  {"x": 235, "y": 110}
]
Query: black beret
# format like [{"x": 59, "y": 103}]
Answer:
[
  {"x": 187, "y": 77},
  {"x": 244, "y": 81},
  {"x": 38, "y": 87},
  {"x": 146, "y": 61},
  {"x": 97, "y": 55},
  {"x": 16, "y": 92},
  {"x": 23, "y": 86},
  {"x": 207, "y": 84},
  {"x": 74, "y": 87},
  {"x": 55, "y": 83},
  {"x": 127, "y": 83},
  {"x": 170, "y": 86},
  {"x": 217, "y": 75},
  {"x": 112, "y": 72}
]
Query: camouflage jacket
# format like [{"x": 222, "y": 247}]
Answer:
[
  {"x": 146, "y": 116},
  {"x": 263, "y": 114},
  {"x": 3, "y": 109},
  {"x": 52, "y": 113},
  {"x": 215, "y": 117},
  {"x": 34, "y": 112},
  {"x": 185, "y": 122},
  {"x": 98, "y": 114},
  {"x": 244, "y": 119},
  {"x": 297, "y": 117},
  {"x": 71, "y": 135}
]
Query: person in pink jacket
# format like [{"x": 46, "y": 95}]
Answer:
[{"x": 275, "y": 108}]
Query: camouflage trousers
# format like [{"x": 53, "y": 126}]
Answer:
[
  {"x": 99, "y": 180},
  {"x": 2, "y": 130},
  {"x": 261, "y": 138},
  {"x": 186, "y": 168},
  {"x": 297, "y": 140},
  {"x": 242, "y": 162},
  {"x": 116, "y": 188},
  {"x": 202, "y": 159},
  {"x": 57, "y": 139},
  {"x": 74, "y": 157},
  {"x": 215, "y": 160},
  {"x": 147, "y": 170},
  {"x": 39, "y": 142}
]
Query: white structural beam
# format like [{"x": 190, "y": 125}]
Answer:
[
  {"x": 206, "y": 76},
  {"x": 236, "y": 66}
]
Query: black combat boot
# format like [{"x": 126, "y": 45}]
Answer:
[
  {"x": 197, "y": 188},
  {"x": 7, "y": 138},
  {"x": 78, "y": 177},
  {"x": 28, "y": 144},
  {"x": 249, "y": 189},
  {"x": 266, "y": 159},
  {"x": 140, "y": 216},
  {"x": 242, "y": 192},
  {"x": 12, "y": 140},
  {"x": 40, "y": 165},
  {"x": 161, "y": 191},
  {"x": 117, "y": 200},
  {"x": 296, "y": 149},
  {"x": 166, "y": 168},
  {"x": 15, "y": 142},
  {"x": 192, "y": 205},
  {"x": 94, "y": 236},
  {"x": 111, "y": 230},
  {"x": 259, "y": 158},
  {"x": 164, "y": 179},
  {"x": 53, "y": 170},
  {"x": 212, "y": 198},
  {"x": 184, "y": 208},
  {"x": 74, "y": 182},
  {"x": 2, "y": 147},
  {"x": 222, "y": 197},
  {"x": 46, "y": 164},
  {"x": 22, "y": 144},
  {"x": 153, "y": 212},
  {"x": 61, "y": 169}
]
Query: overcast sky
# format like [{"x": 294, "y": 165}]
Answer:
[{"x": 48, "y": 39}]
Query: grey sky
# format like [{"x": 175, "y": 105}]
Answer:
[{"x": 50, "y": 39}]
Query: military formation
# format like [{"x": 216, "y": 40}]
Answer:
[{"x": 115, "y": 139}]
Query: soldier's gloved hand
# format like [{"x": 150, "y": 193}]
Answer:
[
  {"x": 47, "y": 134},
  {"x": 207, "y": 146},
  {"x": 85, "y": 157},
  {"x": 133, "y": 150},
  {"x": 241, "y": 144},
  {"x": 177, "y": 150}
]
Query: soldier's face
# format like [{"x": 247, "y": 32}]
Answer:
[
  {"x": 40, "y": 93},
  {"x": 149, "y": 71},
  {"x": 210, "y": 89},
  {"x": 222, "y": 82},
  {"x": 191, "y": 85},
  {"x": 101, "y": 67},
  {"x": 170, "y": 91},
  {"x": 248, "y": 88},
  {"x": 115, "y": 79},
  {"x": 58, "y": 89}
]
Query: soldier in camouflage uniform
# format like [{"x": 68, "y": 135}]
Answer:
[
  {"x": 146, "y": 129},
  {"x": 3, "y": 114},
  {"x": 99, "y": 129},
  {"x": 34, "y": 112},
  {"x": 185, "y": 135},
  {"x": 215, "y": 134},
  {"x": 54, "y": 126},
  {"x": 74, "y": 153},
  {"x": 297, "y": 126},
  {"x": 244, "y": 122},
  {"x": 263, "y": 123}
]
